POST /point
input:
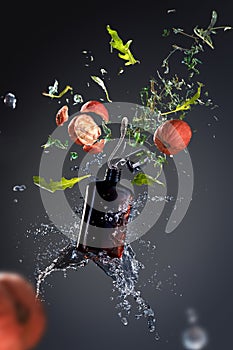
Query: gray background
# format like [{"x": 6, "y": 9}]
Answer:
[{"x": 43, "y": 43}]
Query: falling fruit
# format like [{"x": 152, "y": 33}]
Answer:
[
  {"x": 84, "y": 131},
  {"x": 96, "y": 107},
  {"x": 172, "y": 136},
  {"x": 62, "y": 116},
  {"x": 22, "y": 315}
]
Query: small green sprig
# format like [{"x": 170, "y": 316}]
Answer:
[
  {"x": 55, "y": 142},
  {"x": 200, "y": 38}
]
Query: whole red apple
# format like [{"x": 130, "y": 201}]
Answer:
[{"x": 172, "y": 136}]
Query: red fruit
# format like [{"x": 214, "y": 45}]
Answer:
[
  {"x": 96, "y": 107},
  {"x": 62, "y": 116},
  {"x": 22, "y": 316},
  {"x": 83, "y": 130},
  {"x": 172, "y": 136},
  {"x": 71, "y": 131}
]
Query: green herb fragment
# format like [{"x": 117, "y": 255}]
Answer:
[
  {"x": 161, "y": 159},
  {"x": 107, "y": 131},
  {"x": 186, "y": 105},
  {"x": 100, "y": 82},
  {"x": 166, "y": 32},
  {"x": 200, "y": 37},
  {"x": 53, "y": 89},
  {"x": 144, "y": 179},
  {"x": 117, "y": 43},
  {"x": 54, "y": 186},
  {"x": 73, "y": 155},
  {"x": 139, "y": 138},
  {"x": 205, "y": 34},
  {"x": 55, "y": 142}
]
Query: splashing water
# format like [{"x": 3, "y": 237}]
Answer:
[{"x": 124, "y": 272}]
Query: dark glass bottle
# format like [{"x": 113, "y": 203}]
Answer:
[{"x": 105, "y": 215}]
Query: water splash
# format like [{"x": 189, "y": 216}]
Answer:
[{"x": 124, "y": 273}]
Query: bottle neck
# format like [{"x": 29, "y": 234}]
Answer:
[{"x": 112, "y": 175}]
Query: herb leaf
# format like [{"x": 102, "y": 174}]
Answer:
[
  {"x": 53, "y": 186},
  {"x": 100, "y": 82},
  {"x": 55, "y": 142},
  {"x": 144, "y": 179},
  {"x": 117, "y": 43},
  {"x": 186, "y": 105}
]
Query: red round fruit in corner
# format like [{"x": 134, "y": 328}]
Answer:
[
  {"x": 22, "y": 316},
  {"x": 172, "y": 136},
  {"x": 95, "y": 107}
]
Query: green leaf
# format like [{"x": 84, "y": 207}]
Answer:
[
  {"x": 144, "y": 179},
  {"x": 117, "y": 43},
  {"x": 213, "y": 20},
  {"x": 100, "y": 82},
  {"x": 55, "y": 142},
  {"x": 54, "y": 186}
]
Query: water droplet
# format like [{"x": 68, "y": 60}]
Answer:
[
  {"x": 10, "y": 100},
  {"x": 74, "y": 168},
  {"x": 103, "y": 71},
  {"x": 77, "y": 99},
  {"x": 73, "y": 155},
  {"x": 194, "y": 338},
  {"x": 124, "y": 321},
  {"x": 157, "y": 336},
  {"x": 19, "y": 188},
  {"x": 15, "y": 200},
  {"x": 191, "y": 316}
]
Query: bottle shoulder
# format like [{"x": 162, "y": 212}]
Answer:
[{"x": 110, "y": 190}]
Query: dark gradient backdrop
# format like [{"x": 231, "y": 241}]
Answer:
[{"x": 42, "y": 43}]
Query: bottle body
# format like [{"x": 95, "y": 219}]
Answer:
[{"x": 105, "y": 216}]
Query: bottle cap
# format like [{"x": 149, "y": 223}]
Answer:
[{"x": 134, "y": 161}]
